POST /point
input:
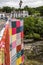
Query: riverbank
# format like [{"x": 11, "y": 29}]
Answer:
[
  {"x": 33, "y": 52},
  {"x": 32, "y": 62},
  {"x": 32, "y": 40}
]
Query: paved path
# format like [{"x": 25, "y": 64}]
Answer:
[{"x": 2, "y": 23}]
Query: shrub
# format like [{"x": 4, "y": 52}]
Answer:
[
  {"x": 36, "y": 36},
  {"x": 26, "y": 36},
  {"x": 29, "y": 36}
]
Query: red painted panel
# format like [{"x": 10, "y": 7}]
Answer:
[
  {"x": 18, "y": 24},
  {"x": 13, "y": 31},
  {"x": 18, "y": 48}
]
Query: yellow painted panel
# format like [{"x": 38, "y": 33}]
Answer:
[
  {"x": 13, "y": 38},
  {"x": 18, "y": 61},
  {"x": 0, "y": 57},
  {"x": 10, "y": 31}
]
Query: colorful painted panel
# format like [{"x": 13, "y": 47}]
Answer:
[{"x": 11, "y": 51}]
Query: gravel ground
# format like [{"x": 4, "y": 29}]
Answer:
[{"x": 2, "y": 23}]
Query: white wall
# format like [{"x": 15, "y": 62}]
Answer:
[{"x": 23, "y": 14}]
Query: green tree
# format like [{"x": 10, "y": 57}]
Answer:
[
  {"x": 0, "y": 9},
  {"x": 7, "y": 9},
  {"x": 40, "y": 9}
]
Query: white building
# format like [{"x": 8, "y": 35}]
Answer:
[
  {"x": 20, "y": 14},
  {"x": 2, "y": 15},
  {"x": 25, "y": 14}
]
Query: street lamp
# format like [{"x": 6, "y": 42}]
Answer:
[{"x": 20, "y": 4}]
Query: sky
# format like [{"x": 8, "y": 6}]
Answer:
[{"x": 15, "y": 3}]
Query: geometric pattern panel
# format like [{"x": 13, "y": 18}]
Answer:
[
  {"x": 11, "y": 44},
  {"x": 17, "y": 37}
]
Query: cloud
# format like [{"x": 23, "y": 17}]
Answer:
[
  {"x": 33, "y": 3},
  {"x": 11, "y": 3},
  {"x": 15, "y": 3}
]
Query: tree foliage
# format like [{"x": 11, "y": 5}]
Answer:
[
  {"x": 33, "y": 25},
  {"x": 30, "y": 10},
  {"x": 33, "y": 10},
  {"x": 7, "y": 9}
]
